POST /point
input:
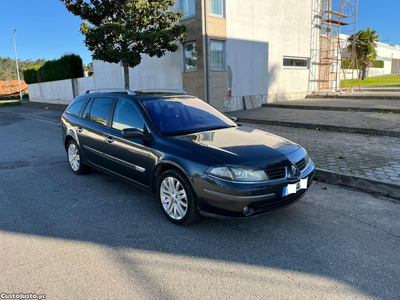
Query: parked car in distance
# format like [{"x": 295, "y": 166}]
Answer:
[{"x": 196, "y": 160}]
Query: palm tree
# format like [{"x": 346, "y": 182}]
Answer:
[{"x": 365, "y": 45}]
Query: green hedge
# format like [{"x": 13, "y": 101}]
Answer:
[
  {"x": 374, "y": 64},
  {"x": 68, "y": 66},
  {"x": 31, "y": 74},
  {"x": 377, "y": 64}
]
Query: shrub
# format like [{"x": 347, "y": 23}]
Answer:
[
  {"x": 67, "y": 67},
  {"x": 31, "y": 74}
]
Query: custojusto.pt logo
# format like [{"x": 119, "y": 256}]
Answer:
[{"x": 22, "y": 296}]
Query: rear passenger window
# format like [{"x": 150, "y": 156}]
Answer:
[
  {"x": 100, "y": 110},
  {"x": 75, "y": 108}
]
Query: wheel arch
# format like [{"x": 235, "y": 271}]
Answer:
[
  {"x": 163, "y": 166},
  {"x": 70, "y": 136}
]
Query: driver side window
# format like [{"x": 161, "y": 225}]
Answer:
[{"x": 126, "y": 116}]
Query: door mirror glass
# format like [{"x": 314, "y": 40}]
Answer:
[{"x": 132, "y": 133}]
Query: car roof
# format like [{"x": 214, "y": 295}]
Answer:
[{"x": 139, "y": 94}]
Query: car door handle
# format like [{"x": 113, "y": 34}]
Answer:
[
  {"x": 79, "y": 129},
  {"x": 109, "y": 140}
]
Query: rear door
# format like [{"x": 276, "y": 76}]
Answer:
[
  {"x": 91, "y": 130},
  {"x": 131, "y": 156}
]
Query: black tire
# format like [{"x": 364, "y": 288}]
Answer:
[
  {"x": 82, "y": 169},
  {"x": 192, "y": 212}
]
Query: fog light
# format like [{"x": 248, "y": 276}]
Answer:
[{"x": 248, "y": 211}]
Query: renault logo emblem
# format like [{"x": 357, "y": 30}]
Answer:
[{"x": 295, "y": 171}]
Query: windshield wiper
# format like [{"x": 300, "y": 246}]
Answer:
[{"x": 189, "y": 131}]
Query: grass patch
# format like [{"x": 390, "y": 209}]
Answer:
[
  {"x": 3, "y": 104},
  {"x": 388, "y": 80}
]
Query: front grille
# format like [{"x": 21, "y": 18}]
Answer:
[
  {"x": 281, "y": 202},
  {"x": 276, "y": 174},
  {"x": 301, "y": 165}
]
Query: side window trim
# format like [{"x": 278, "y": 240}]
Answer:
[
  {"x": 89, "y": 106},
  {"x": 111, "y": 112},
  {"x": 84, "y": 107}
]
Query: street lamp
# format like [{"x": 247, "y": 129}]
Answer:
[{"x": 16, "y": 61}]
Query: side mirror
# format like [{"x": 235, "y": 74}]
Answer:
[
  {"x": 132, "y": 133},
  {"x": 234, "y": 119}
]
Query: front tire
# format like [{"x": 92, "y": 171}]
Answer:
[
  {"x": 74, "y": 159},
  {"x": 176, "y": 198}
]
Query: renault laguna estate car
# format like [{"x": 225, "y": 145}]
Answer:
[{"x": 193, "y": 158}]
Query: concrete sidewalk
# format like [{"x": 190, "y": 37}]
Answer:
[
  {"x": 347, "y": 121},
  {"x": 389, "y": 94},
  {"x": 364, "y": 105}
]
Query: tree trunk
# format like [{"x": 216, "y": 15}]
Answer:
[{"x": 126, "y": 74}]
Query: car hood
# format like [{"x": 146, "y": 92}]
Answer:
[{"x": 237, "y": 145}]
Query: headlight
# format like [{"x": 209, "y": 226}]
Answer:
[
  {"x": 306, "y": 160},
  {"x": 236, "y": 173}
]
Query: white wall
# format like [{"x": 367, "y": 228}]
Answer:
[
  {"x": 58, "y": 92},
  {"x": 85, "y": 83},
  {"x": 259, "y": 34},
  {"x": 153, "y": 72},
  {"x": 386, "y": 52}
]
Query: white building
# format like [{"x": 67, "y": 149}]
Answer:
[{"x": 390, "y": 54}]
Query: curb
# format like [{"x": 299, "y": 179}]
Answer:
[
  {"x": 38, "y": 105},
  {"x": 361, "y": 109},
  {"x": 369, "y": 185},
  {"x": 363, "y": 97},
  {"x": 324, "y": 127}
]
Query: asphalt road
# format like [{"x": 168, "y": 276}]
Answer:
[{"x": 93, "y": 237}]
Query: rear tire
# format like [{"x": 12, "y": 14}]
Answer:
[
  {"x": 74, "y": 159},
  {"x": 177, "y": 198}
]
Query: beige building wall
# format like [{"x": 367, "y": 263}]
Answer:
[{"x": 194, "y": 82}]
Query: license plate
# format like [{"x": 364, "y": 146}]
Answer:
[{"x": 295, "y": 187}]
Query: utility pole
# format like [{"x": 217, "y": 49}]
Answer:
[{"x": 16, "y": 61}]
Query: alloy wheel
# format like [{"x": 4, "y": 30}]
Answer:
[
  {"x": 173, "y": 198},
  {"x": 73, "y": 157}
]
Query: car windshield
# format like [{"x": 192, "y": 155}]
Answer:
[{"x": 185, "y": 115}]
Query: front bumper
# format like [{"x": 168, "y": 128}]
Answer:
[{"x": 225, "y": 198}]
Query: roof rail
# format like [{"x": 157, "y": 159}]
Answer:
[
  {"x": 111, "y": 90},
  {"x": 160, "y": 91}
]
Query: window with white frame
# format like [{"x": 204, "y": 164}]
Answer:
[
  {"x": 188, "y": 8},
  {"x": 295, "y": 62},
  {"x": 217, "y": 56},
  {"x": 190, "y": 53},
  {"x": 217, "y": 8}
]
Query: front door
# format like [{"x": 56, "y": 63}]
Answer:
[{"x": 131, "y": 156}]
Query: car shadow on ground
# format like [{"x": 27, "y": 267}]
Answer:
[{"x": 308, "y": 237}]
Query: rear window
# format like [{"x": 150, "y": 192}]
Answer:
[
  {"x": 75, "y": 108},
  {"x": 100, "y": 110}
]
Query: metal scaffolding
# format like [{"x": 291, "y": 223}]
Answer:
[{"x": 338, "y": 22}]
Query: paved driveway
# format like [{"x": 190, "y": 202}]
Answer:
[{"x": 93, "y": 237}]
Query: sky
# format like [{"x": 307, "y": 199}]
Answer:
[{"x": 45, "y": 29}]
